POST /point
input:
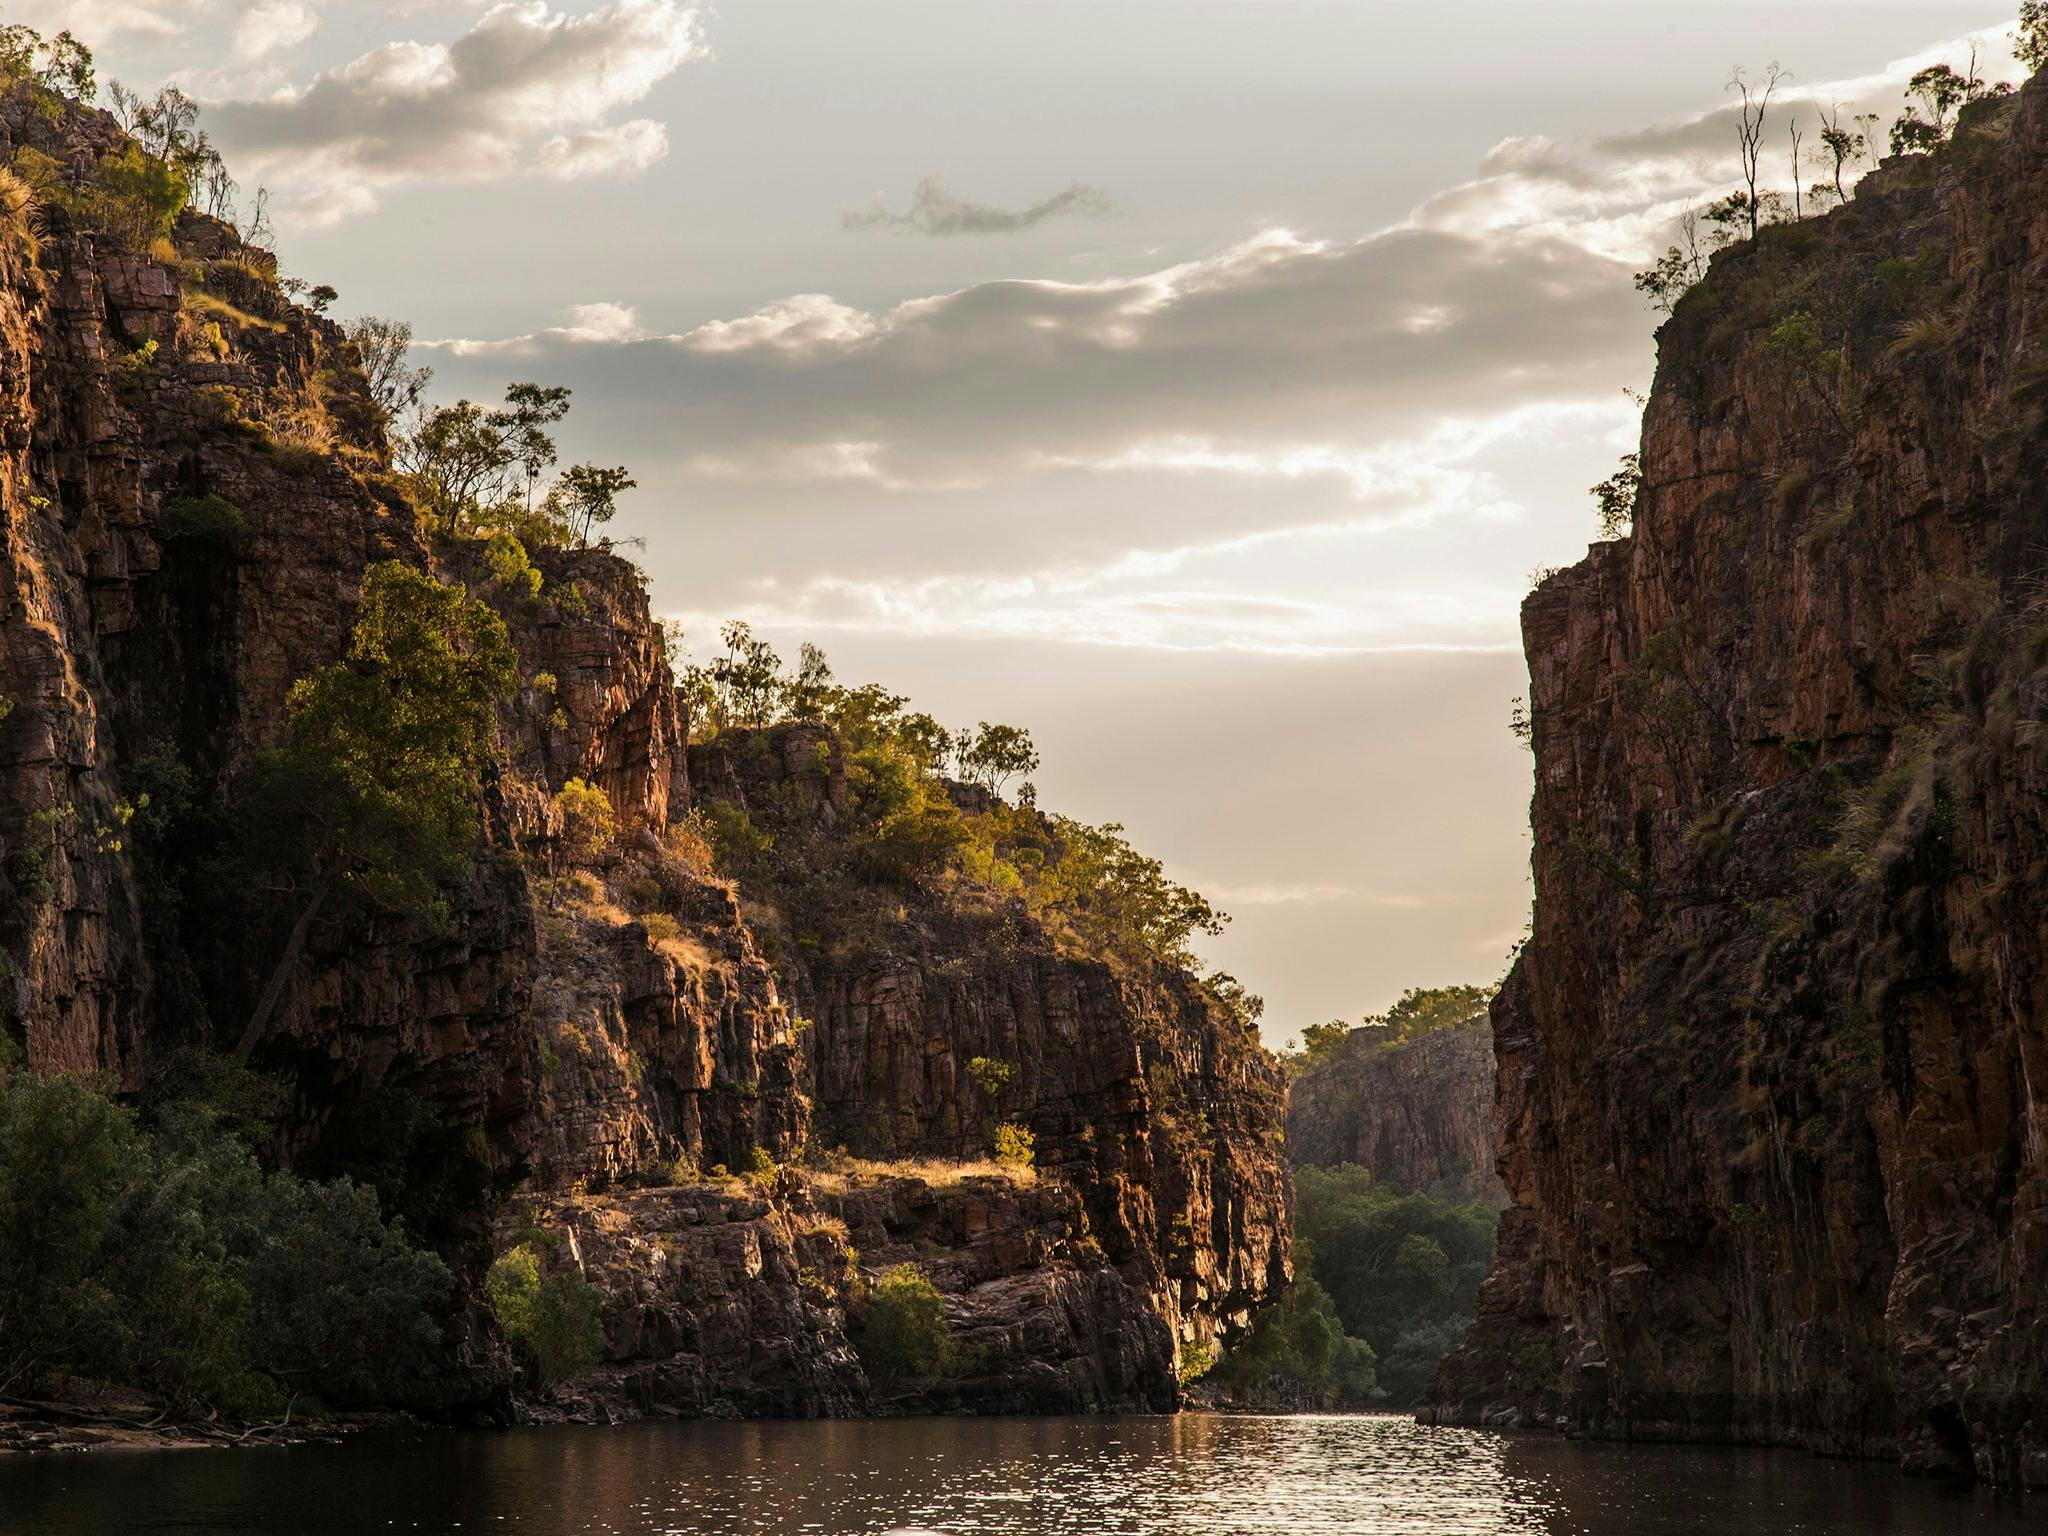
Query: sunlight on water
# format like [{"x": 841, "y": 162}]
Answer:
[{"x": 1196, "y": 1475}]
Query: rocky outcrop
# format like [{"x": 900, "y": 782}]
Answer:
[
  {"x": 1770, "y": 1066},
  {"x": 1418, "y": 1113},
  {"x": 739, "y": 1297},
  {"x": 193, "y": 480},
  {"x": 1160, "y": 1111}
]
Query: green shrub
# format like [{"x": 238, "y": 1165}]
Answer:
[
  {"x": 175, "y": 1264},
  {"x": 1015, "y": 1146},
  {"x": 553, "y": 1319},
  {"x": 900, "y": 1331},
  {"x": 588, "y": 821},
  {"x": 991, "y": 1075},
  {"x": 211, "y": 521},
  {"x": 738, "y": 846}
]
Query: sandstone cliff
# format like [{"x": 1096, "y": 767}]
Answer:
[
  {"x": 1770, "y": 1067},
  {"x": 1419, "y": 1113},
  {"x": 600, "y": 1044}
]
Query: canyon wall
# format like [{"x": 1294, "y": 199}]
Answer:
[
  {"x": 1771, "y": 1067},
  {"x": 1419, "y": 1113},
  {"x": 619, "y": 1047}
]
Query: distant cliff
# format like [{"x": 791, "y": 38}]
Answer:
[
  {"x": 1770, "y": 1066},
  {"x": 729, "y": 1124},
  {"x": 1418, "y": 1113}
]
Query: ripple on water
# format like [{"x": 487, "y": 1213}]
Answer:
[{"x": 1195, "y": 1475}]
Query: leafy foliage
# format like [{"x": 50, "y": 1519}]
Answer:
[
  {"x": 172, "y": 1262},
  {"x": 900, "y": 1330},
  {"x": 373, "y": 791},
  {"x": 1401, "y": 1269},
  {"x": 588, "y": 821},
  {"x": 552, "y": 1317},
  {"x": 475, "y": 470},
  {"x": 1616, "y": 496},
  {"x": 2030, "y": 43},
  {"x": 1419, "y": 1011},
  {"x": 1014, "y": 1146},
  {"x": 1299, "y": 1354}
]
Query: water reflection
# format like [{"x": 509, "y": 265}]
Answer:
[{"x": 1196, "y": 1475}]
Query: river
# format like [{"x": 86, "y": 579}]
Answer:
[{"x": 1195, "y": 1475}]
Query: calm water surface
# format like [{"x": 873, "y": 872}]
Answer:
[{"x": 1196, "y": 1475}]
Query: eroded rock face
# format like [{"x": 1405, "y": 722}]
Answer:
[
  {"x": 1770, "y": 1067},
  {"x": 1144, "y": 1096},
  {"x": 1418, "y": 1114},
  {"x": 739, "y": 1297}
]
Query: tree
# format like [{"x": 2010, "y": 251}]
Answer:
[
  {"x": 1320, "y": 1044},
  {"x": 1616, "y": 496},
  {"x": 900, "y": 1329},
  {"x": 134, "y": 197},
  {"x": 553, "y": 1318},
  {"x": 810, "y": 690},
  {"x": 1423, "y": 1010},
  {"x": 588, "y": 822},
  {"x": 2030, "y": 43},
  {"x": 1934, "y": 96},
  {"x": 588, "y": 495},
  {"x": 173, "y": 1262},
  {"x": 61, "y": 65},
  {"x": 747, "y": 678},
  {"x": 1840, "y": 147},
  {"x": 66, "y": 1158},
  {"x": 1749, "y": 129},
  {"x": 992, "y": 755},
  {"x": 474, "y": 469},
  {"x": 373, "y": 790},
  {"x": 1683, "y": 264},
  {"x": 529, "y": 411}
]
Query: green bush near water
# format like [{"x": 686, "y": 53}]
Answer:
[{"x": 169, "y": 1260}]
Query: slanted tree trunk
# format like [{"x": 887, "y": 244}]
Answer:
[{"x": 273, "y": 989}]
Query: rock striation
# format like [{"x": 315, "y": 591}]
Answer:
[
  {"x": 1770, "y": 1068},
  {"x": 1418, "y": 1113},
  {"x": 625, "y": 1049}
]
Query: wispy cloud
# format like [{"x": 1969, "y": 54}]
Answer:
[{"x": 935, "y": 211}]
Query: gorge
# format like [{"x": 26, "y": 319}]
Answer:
[{"x": 428, "y": 1000}]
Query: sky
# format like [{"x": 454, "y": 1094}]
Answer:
[{"x": 1197, "y": 383}]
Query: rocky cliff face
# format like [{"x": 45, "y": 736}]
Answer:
[
  {"x": 1419, "y": 1114},
  {"x": 603, "y": 1044},
  {"x": 1771, "y": 1066},
  {"x": 1156, "y": 1109}
]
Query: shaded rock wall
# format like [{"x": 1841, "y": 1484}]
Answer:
[
  {"x": 1771, "y": 1066},
  {"x": 1144, "y": 1096},
  {"x": 1418, "y": 1114}
]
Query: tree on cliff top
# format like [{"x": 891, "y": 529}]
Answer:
[
  {"x": 2030, "y": 43},
  {"x": 373, "y": 790},
  {"x": 475, "y": 469}
]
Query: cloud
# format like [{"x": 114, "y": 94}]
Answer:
[
  {"x": 94, "y": 20},
  {"x": 271, "y": 25},
  {"x": 935, "y": 211},
  {"x": 525, "y": 85},
  {"x": 1278, "y": 357},
  {"x": 623, "y": 150}
]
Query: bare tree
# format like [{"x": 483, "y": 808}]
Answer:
[
  {"x": 1798, "y": 203},
  {"x": 1749, "y": 128}
]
